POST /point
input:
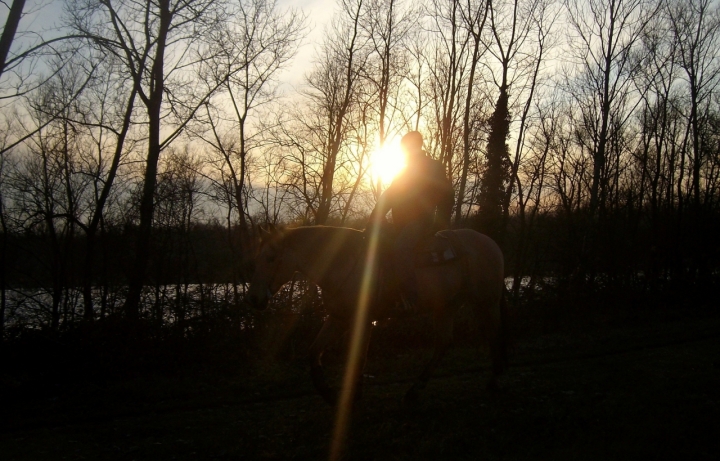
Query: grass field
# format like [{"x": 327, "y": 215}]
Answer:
[{"x": 641, "y": 388}]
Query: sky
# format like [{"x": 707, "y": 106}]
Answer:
[
  {"x": 42, "y": 16},
  {"x": 319, "y": 13}
]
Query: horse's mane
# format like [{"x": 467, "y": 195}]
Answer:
[
  {"x": 319, "y": 235},
  {"x": 305, "y": 230},
  {"x": 323, "y": 251}
]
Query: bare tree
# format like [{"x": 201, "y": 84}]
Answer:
[
  {"x": 660, "y": 127},
  {"x": 387, "y": 24},
  {"x": 344, "y": 48},
  {"x": 696, "y": 27},
  {"x": 4, "y": 228},
  {"x": 8, "y": 33},
  {"x": 474, "y": 17},
  {"x": 530, "y": 181},
  {"x": 29, "y": 59},
  {"x": 604, "y": 36},
  {"x": 178, "y": 198},
  {"x": 316, "y": 134},
  {"x": 448, "y": 68},
  {"x": 248, "y": 52},
  {"x": 155, "y": 42},
  {"x": 47, "y": 189},
  {"x": 510, "y": 26},
  {"x": 109, "y": 119},
  {"x": 537, "y": 48}
]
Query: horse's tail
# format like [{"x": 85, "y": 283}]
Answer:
[{"x": 499, "y": 341}]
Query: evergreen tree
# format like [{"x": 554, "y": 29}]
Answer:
[{"x": 496, "y": 175}]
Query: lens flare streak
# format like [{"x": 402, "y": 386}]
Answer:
[{"x": 358, "y": 346}]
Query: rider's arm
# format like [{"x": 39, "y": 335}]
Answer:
[
  {"x": 382, "y": 207},
  {"x": 445, "y": 204}
]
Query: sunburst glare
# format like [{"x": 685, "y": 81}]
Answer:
[{"x": 388, "y": 161}]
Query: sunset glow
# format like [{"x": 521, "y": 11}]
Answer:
[{"x": 388, "y": 161}]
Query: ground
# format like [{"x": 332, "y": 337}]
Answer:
[{"x": 645, "y": 388}]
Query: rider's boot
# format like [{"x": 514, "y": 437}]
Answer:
[{"x": 409, "y": 293}]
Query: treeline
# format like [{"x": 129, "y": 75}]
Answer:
[{"x": 139, "y": 137}]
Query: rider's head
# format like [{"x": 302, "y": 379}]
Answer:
[{"x": 412, "y": 143}]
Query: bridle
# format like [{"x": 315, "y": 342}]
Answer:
[{"x": 276, "y": 260}]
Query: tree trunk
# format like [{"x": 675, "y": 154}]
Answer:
[
  {"x": 466, "y": 120},
  {"x": 91, "y": 230},
  {"x": 8, "y": 34},
  {"x": 3, "y": 274},
  {"x": 154, "y": 104}
]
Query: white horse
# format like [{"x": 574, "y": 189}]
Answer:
[{"x": 336, "y": 258}]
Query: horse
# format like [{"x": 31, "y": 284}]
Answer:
[{"x": 343, "y": 262}]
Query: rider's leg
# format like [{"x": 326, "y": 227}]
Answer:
[
  {"x": 404, "y": 258},
  {"x": 330, "y": 331}
]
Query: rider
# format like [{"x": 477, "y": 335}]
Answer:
[{"x": 421, "y": 199}]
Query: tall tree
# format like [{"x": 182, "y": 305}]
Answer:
[
  {"x": 696, "y": 26},
  {"x": 315, "y": 136},
  {"x": 450, "y": 54},
  {"x": 158, "y": 44},
  {"x": 8, "y": 33},
  {"x": 109, "y": 113},
  {"x": 248, "y": 52},
  {"x": 474, "y": 19},
  {"x": 4, "y": 239},
  {"x": 604, "y": 35},
  {"x": 510, "y": 25},
  {"x": 387, "y": 24},
  {"x": 48, "y": 191},
  {"x": 344, "y": 48}
]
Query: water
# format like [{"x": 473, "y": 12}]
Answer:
[{"x": 31, "y": 308}]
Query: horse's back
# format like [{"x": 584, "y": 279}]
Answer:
[
  {"x": 486, "y": 264},
  {"x": 326, "y": 233},
  {"x": 477, "y": 244}
]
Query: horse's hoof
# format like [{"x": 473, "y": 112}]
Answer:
[
  {"x": 358, "y": 396},
  {"x": 412, "y": 396},
  {"x": 330, "y": 396},
  {"x": 493, "y": 386}
]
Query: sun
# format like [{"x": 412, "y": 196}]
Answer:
[{"x": 388, "y": 161}]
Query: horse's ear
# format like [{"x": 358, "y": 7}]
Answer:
[
  {"x": 268, "y": 232},
  {"x": 263, "y": 234}
]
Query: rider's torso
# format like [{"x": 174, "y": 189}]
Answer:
[{"x": 417, "y": 192}]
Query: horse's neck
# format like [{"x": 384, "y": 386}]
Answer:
[
  {"x": 323, "y": 256},
  {"x": 306, "y": 261}
]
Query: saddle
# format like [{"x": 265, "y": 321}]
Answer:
[{"x": 436, "y": 250}]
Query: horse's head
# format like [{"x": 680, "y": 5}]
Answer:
[{"x": 271, "y": 270}]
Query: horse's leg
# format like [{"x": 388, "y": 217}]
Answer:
[
  {"x": 362, "y": 360},
  {"x": 498, "y": 343},
  {"x": 490, "y": 311},
  {"x": 331, "y": 329},
  {"x": 443, "y": 338}
]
